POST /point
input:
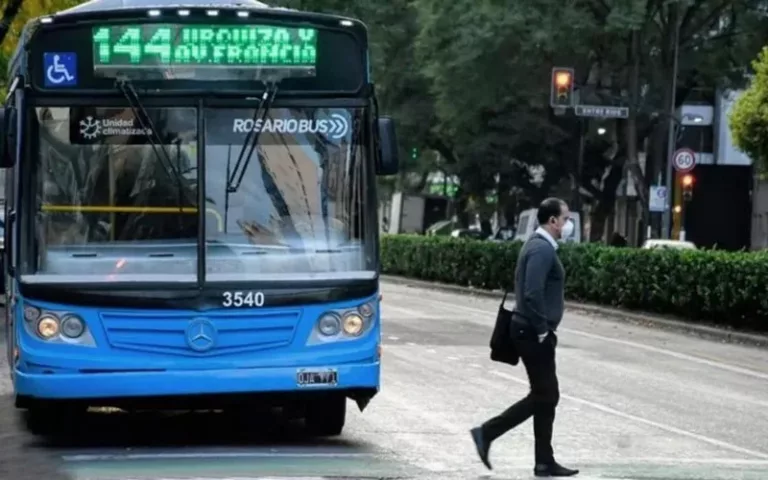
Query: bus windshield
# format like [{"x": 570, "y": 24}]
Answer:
[
  {"x": 298, "y": 212},
  {"x": 115, "y": 202}
]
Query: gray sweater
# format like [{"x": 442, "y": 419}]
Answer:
[{"x": 539, "y": 285}]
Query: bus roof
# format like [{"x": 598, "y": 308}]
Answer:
[{"x": 103, "y": 5}]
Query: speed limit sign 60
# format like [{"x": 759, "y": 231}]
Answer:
[{"x": 684, "y": 160}]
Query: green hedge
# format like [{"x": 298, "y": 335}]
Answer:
[{"x": 729, "y": 288}]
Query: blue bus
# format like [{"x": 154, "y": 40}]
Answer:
[{"x": 190, "y": 211}]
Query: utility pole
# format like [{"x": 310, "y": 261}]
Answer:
[
  {"x": 671, "y": 137},
  {"x": 634, "y": 173},
  {"x": 687, "y": 184},
  {"x": 576, "y": 179}
]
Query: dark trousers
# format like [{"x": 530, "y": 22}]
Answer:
[{"x": 541, "y": 401}]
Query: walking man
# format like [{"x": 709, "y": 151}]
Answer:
[{"x": 539, "y": 294}]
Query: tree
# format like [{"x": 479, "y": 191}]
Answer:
[
  {"x": 10, "y": 12},
  {"x": 716, "y": 39},
  {"x": 484, "y": 62},
  {"x": 748, "y": 119},
  {"x": 401, "y": 87},
  {"x": 470, "y": 79},
  {"x": 626, "y": 56},
  {"x": 16, "y": 14}
]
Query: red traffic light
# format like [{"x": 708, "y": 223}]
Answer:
[
  {"x": 563, "y": 79},
  {"x": 561, "y": 94},
  {"x": 687, "y": 180}
]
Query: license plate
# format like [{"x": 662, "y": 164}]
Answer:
[{"x": 317, "y": 377}]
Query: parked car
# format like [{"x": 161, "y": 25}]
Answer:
[
  {"x": 468, "y": 233},
  {"x": 675, "y": 244}
]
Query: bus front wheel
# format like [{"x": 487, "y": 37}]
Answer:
[
  {"x": 43, "y": 421},
  {"x": 39, "y": 421},
  {"x": 325, "y": 417}
]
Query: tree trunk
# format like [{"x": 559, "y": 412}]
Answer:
[
  {"x": 460, "y": 204},
  {"x": 635, "y": 173},
  {"x": 607, "y": 201},
  {"x": 9, "y": 15}
]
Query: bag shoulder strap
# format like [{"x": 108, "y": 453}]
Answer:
[{"x": 504, "y": 298}]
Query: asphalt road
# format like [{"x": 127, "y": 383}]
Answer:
[{"x": 637, "y": 403}]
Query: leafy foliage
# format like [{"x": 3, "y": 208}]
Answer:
[
  {"x": 722, "y": 287},
  {"x": 470, "y": 80},
  {"x": 749, "y": 116},
  {"x": 29, "y": 10}
]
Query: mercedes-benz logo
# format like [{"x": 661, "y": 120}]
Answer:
[{"x": 201, "y": 335}]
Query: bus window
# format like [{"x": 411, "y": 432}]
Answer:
[{"x": 105, "y": 193}]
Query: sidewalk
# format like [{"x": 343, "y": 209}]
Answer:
[{"x": 716, "y": 333}]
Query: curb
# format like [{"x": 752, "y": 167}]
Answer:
[{"x": 718, "y": 334}]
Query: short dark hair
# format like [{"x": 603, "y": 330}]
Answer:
[{"x": 550, "y": 207}]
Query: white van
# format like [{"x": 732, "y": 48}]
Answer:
[{"x": 527, "y": 224}]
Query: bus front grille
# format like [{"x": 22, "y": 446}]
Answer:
[{"x": 197, "y": 334}]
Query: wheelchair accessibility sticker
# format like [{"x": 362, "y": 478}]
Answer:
[{"x": 60, "y": 69}]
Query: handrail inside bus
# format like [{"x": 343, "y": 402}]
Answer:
[{"x": 50, "y": 208}]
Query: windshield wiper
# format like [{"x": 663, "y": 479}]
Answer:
[
  {"x": 145, "y": 121},
  {"x": 252, "y": 137}
]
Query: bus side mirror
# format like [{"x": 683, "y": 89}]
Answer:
[{"x": 389, "y": 161}]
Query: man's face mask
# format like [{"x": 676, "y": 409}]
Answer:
[
  {"x": 562, "y": 230},
  {"x": 567, "y": 229}
]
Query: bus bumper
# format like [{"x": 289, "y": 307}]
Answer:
[{"x": 116, "y": 385}]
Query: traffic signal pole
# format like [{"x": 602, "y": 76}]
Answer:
[
  {"x": 671, "y": 137},
  {"x": 682, "y": 220},
  {"x": 686, "y": 186},
  {"x": 579, "y": 167}
]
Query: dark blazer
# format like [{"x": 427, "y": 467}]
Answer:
[{"x": 539, "y": 286}]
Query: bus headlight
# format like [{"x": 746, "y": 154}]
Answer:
[
  {"x": 72, "y": 327},
  {"x": 31, "y": 313},
  {"x": 353, "y": 324},
  {"x": 366, "y": 309},
  {"x": 47, "y": 327},
  {"x": 329, "y": 324}
]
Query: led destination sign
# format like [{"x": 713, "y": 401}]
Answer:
[{"x": 150, "y": 46}]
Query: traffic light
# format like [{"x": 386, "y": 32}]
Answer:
[
  {"x": 687, "y": 182},
  {"x": 562, "y": 87},
  {"x": 414, "y": 153}
]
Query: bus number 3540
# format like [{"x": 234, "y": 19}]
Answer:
[{"x": 243, "y": 299}]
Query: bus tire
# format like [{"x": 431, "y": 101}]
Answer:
[
  {"x": 47, "y": 420},
  {"x": 39, "y": 421},
  {"x": 326, "y": 417}
]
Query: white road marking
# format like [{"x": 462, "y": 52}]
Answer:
[
  {"x": 240, "y": 478},
  {"x": 645, "y": 421},
  {"x": 690, "y": 461},
  {"x": 199, "y": 455},
  {"x": 627, "y": 343}
]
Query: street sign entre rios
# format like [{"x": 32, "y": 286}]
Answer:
[
  {"x": 684, "y": 160},
  {"x": 601, "y": 111}
]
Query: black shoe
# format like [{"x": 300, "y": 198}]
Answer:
[
  {"x": 481, "y": 445},
  {"x": 553, "y": 469}
]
